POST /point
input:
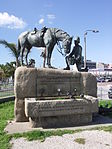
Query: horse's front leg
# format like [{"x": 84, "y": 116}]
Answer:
[
  {"x": 22, "y": 55},
  {"x": 26, "y": 59},
  {"x": 49, "y": 58},
  {"x": 48, "y": 62}
]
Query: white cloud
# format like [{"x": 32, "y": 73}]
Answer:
[
  {"x": 48, "y": 18},
  {"x": 41, "y": 21},
  {"x": 51, "y": 16},
  {"x": 11, "y": 21}
]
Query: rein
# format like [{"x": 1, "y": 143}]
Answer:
[{"x": 60, "y": 49}]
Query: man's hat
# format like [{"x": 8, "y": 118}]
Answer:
[{"x": 77, "y": 39}]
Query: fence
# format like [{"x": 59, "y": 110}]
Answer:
[
  {"x": 102, "y": 92},
  {"x": 6, "y": 89}
]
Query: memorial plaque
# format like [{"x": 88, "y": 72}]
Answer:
[{"x": 51, "y": 81}]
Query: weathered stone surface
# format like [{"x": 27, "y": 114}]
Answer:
[
  {"x": 89, "y": 84},
  {"x": 32, "y": 82},
  {"x": 94, "y": 103},
  {"x": 25, "y": 82},
  {"x": 19, "y": 111},
  {"x": 69, "y": 111},
  {"x": 50, "y": 80},
  {"x": 61, "y": 121},
  {"x": 45, "y": 108}
]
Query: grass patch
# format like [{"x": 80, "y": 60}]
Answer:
[
  {"x": 104, "y": 128},
  {"x": 80, "y": 140},
  {"x": 105, "y": 103},
  {"x": 42, "y": 135},
  {"x": 6, "y": 113}
]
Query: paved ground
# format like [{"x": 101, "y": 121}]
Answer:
[
  {"x": 16, "y": 127},
  {"x": 91, "y": 140}
]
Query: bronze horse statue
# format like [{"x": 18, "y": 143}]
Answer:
[{"x": 48, "y": 39}]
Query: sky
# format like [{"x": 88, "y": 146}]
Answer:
[{"x": 72, "y": 16}]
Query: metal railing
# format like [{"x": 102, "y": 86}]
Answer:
[
  {"x": 6, "y": 89},
  {"x": 102, "y": 93}
]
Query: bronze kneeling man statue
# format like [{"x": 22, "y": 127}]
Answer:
[{"x": 75, "y": 57}]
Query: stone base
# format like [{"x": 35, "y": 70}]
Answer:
[
  {"x": 61, "y": 121},
  {"x": 60, "y": 113},
  {"x": 45, "y": 82},
  {"x": 20, "y": 112}
]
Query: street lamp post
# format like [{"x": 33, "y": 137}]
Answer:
[{"x": 85, "y": 34}]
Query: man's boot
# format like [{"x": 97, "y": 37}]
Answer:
[{"x": 67, "y": 68}]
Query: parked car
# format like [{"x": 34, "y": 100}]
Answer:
[
  {"x": 100, "y": 79},
  {"x": 110, "y": 92},
  {"x": 108, "y": 79}
]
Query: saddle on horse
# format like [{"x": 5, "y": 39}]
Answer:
[{"x": 42, "y": 31}]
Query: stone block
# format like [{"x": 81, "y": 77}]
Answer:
[
  {"x": 69, "y": 112},
  {"x": 61, "y": 121},
  {"x": 89, "y": 84},
  {"x": 25, "y": 82},
  {"x": 32, "y": 82},
  {"x": 42, "y": 83},
  {"x": 19, "y": 111}
]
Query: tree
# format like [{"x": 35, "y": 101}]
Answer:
[
  {"x": 13, "y": 49},
  {"x": 1, "y": 74},
  {"x": 8, "y": 69}
]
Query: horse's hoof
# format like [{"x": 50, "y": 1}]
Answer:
[{"x": 51, "y": 67}]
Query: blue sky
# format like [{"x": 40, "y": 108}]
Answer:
[{"x": 73, "y": 16}]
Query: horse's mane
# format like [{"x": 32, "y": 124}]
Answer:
[{"x": 63, "y": 33}]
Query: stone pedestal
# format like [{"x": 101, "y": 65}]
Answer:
[
  {"x": 41, "y": 83},
  {"x": 60, "y": 113},
  {"x": 19, "y": 111}
]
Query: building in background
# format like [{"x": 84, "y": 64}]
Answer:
[
  {"x": 102, "y": 69},
  {"x": 90, "y": 64},
  {"x": 110, "y": 66},
  {"x": 98, "y": 68}
]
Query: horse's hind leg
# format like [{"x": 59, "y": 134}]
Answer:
[{"x": 26, "y": 57}]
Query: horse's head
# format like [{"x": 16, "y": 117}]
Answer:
[{"x": 67, "y": 45}]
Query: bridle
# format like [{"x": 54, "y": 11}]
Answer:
[{"x": 60, "y": 49}]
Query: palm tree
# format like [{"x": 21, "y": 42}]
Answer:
[
  {"x": 8, "y": 70},
  {"x": 13, "y": 49}
]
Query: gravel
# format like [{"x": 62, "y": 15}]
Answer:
[{"x": 93, "y": 140}]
